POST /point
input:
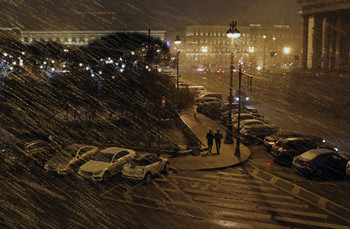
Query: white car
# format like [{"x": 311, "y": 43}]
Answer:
[
  {"x": 106, "y": 163},
  {"x": 70, "y": 158},
  {"x": 144, "y": 167}
]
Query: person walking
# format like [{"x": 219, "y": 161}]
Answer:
[
  {"x": 210, "y": 137},
  {"x": 218, "y": 136}
]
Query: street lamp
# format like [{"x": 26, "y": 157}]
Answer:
[
  {"x": 177, "y": 43},
  {"x": 264, "y": 54},
  {"x": 232, "y": 33}
]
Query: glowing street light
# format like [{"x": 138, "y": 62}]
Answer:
[{"x": 286, "y": 50}]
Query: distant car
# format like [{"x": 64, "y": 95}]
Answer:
[
  {"x": 106, "y": 163},
  {"x": 144, "y": 167},
  {"x": 320, "y": 162},
  {"x": 244, "y": 96},
  {"x": 287, "y": 148},
  {"x": 220, "y": 71},
  {"x": 255, "y": 134},
  {"x": 70, "y": 158}
]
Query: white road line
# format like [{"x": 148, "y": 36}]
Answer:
[
  {"x": 160, "y": 189},
  {"x": 241, "y": 213},
  {"x": 250, "y": 179},
  {"x": 234, "y": 199},
  {"x": 311, "y": 223},
  {"x": 234, "y": 174},
  {"x": 233, "y": 224},
  {"x": 255, "y": 193}
]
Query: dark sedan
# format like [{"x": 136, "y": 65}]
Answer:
[
  {"x": 286, "y": 149},
  {"x": 321, "y": 162}
]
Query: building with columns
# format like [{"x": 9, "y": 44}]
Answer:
[{"x": 326, "y": 34}]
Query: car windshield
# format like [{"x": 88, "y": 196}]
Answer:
[
  {"x": 309, "y": 155},
  {"x": 70, "y": 151},
  {"x": 105, "y": 157}
]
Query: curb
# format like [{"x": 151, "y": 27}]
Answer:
[{"x": 301, "y": 193}]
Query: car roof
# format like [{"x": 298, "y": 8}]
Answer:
[{"x": 113, "y": 150}]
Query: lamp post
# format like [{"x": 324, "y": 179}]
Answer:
[
  {"x": 232, "y": 33},
  {"x": 264, "y": 54},
  {"x": 177, "y": 43}
]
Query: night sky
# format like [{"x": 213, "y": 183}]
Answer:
[{"x": 143, "y": 14}]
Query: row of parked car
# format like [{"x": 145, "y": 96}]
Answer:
[
  {"x": 88, "y": 161},
  {"x": 308, "y": 155}
]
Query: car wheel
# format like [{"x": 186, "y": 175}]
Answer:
[
  {"x": 148, "y": 178},
  {"x": 106, "y": 176},
  {"x": 166, "y": 168}
]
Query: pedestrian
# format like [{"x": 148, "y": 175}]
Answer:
[
  {"x": 210, "y": 137},
  {"x": 195, "y": 111},
  {"x": 218, "y": 136}
]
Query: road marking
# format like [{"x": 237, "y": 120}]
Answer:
[
  {"x": 248, "y": 224},
  {"x": 160, "y": 189},
  {"x": 189, "y": 199},
  {"x": 219, "y": 211},
  {"x": 234, "y": 174},
  {"x": 235, "y": 179},
  {"x": 311, "y": 223},
  {"x": 234, "y": 199},
  {"x": 255, "y": 193}
]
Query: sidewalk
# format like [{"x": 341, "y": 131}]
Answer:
[{"x": 200, "y": 126}]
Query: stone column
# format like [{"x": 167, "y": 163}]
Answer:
[
  {"x": 305, "y": 41},
  {"x": 338, "y": 43},
  {"x": 332, "y": 40},
  {"x": 317, "y": 42},
  {"x": 326, "y": 33}
]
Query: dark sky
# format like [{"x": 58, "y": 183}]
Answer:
[{"x": 143, "y": 14}]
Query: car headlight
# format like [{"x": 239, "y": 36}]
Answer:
[{"x": 247, "y": 98}]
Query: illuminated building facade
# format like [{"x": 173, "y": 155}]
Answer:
[
  {"x": 79, "y": 38},
  {"x": 265, "y": 46}
]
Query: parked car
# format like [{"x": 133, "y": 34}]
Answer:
[
  {"x": 106, "y": 163},
  {"x": 243, "y": 116},
  {"x": 211, "y": 94},
  {"x": 207, "y": 99},
  {"x": 210, "y": 109},
  {"x": 287, "y": 148},
  {"x": 255, "y": 134},
  {"x": 225, "y": 107},
  {"x": 348, "y": 168},
  {"x": 70, "y": 158},
  {"x": 270, "y": 141},
  {"x": 321, "y": 162},
  {"x": 144, "y": 167},
  {"x": 248, "y": 122}
]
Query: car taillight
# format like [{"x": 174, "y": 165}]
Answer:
[
  {"x": 306, "y": 164},
  {"x": 282, "y": 150}
]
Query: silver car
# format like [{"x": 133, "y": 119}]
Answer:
[
  {"x": 144, "y": 167},
  {"x": 106, "y": 163}
]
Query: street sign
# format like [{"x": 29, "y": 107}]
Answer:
[{"x": 163, "y": 101}]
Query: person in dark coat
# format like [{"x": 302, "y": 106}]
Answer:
[
  {"x": 210, "y": 137},
  {"x": 218, "y": 136}
]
